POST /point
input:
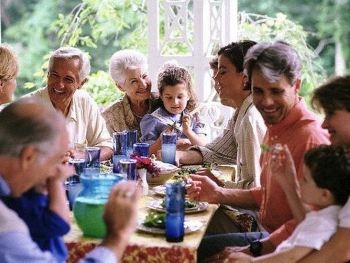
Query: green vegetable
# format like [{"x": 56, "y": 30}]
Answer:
[
  {"x": 188, "y": 203},
  {"x": 155, "y": 219}
]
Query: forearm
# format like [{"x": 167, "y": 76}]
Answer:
[
  {"x": 196, "y": 139},
  {"x": 106, "y": 153},
  {"x": 57, "y": 199},
  {"x": 190, "y": 157},
  {"x": 117, "y": 244},
  {"x": 156, "y": 146},
  {"x": 290, "y": 255},
  {"x": 295, "y": 205},
  {"x": 236, "y": 197},
  {"x": 336, "y": 250}
]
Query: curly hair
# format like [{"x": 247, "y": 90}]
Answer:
[
  {"x": 330, "y": 168},
  {"x": 171, "y": 75}
]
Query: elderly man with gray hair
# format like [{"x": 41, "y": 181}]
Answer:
[
  {"x": 33, "y": 142},
  {"x": 67, "y": 72}
]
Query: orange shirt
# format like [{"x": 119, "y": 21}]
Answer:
[{"x": 300, "y": 130}]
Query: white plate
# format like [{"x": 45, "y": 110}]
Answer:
[
  {"x": 190, "y": 226},
  {"x": 157, "y": 206},
  {"x": 159, "y": 190}
]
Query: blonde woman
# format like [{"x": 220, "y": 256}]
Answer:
[{"x": 8, "y": 73}]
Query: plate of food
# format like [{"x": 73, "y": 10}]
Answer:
[
  {"x": 154, "y": 223},
  {"x": 190, "y": 206},
  {"x": 159, "y": 190}
]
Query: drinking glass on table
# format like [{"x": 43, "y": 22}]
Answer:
[
  {"x": 168, "y": 150},
  {"x": 73, "y": 185},
  {"x": 141, "y": 149},
  {"x": 92, "y": 157},
  {"x": 128, "y": 168},
  {"x": 132, "y": 138}
]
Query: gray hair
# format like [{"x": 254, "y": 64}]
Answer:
[
  {"x": 122, "y": 60},
  {"x": 72, "y": 53},
  {"x": 273, "y": 60},
  {"x": 28, "y": 122}
]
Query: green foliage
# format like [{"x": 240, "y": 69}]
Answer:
[
  {"x": 102, "y": 88},
  {"x": 97, "y": 26},
  {"x": 264, "y": 29}
]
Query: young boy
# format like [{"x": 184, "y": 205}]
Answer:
[{"x": 325, "y": 186}]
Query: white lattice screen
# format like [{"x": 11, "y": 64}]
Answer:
[{"x": 199, "y": 28}]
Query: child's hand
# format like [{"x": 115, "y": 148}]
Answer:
[
  {"x": 282, "y": 167},
  {"x": 186, "y": 123}
]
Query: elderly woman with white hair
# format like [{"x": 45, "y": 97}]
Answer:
[{"x": 129, "y": 70}]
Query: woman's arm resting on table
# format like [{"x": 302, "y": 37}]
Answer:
[{"x": 189, "y": 157}]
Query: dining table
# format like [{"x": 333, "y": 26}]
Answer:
[{"x": 149, "y": 246}]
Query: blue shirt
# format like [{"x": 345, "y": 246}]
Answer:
[
  {"x": 46, "y": 227},
  {"x": 152, "y": 125},
  {"x": 16, "y": 244}
]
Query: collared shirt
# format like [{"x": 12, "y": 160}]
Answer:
[
  {"x": 119, "y": 116},
  {"x": 344, "y": 215},
  {"x": 84, "y": 121},
  {"x": 152, "y": 125},
  {"x": 239, "y": 144},
  {"x": 315, "y": 230},
  {"x": 249, "y": 132},
  {"x": 16, "y": 244},
  {"x": 300, "y": 130}
]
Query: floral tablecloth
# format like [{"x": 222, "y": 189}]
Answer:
[{"x": 145, "y": 247}]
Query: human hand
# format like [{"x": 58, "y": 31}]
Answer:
[
  {"x": 207, "y": 172},
  {"x": 182, "y": 144},
  {"x": 63, "y": 171},
  {"x": 202, "y": 188},
  {"x": 186, "y": 123},
  {"x": 282, "y": 167},
  {"x": 120, "y": 213}
]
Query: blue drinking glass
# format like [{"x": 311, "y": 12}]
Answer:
[
  {"x": 128, "y": 169},
  {"x": 141, "y": 149},
  {"x": 132, "y": 138},
  {"x": 120, "y": 140},
  {"x": 175, "y": 212},
  {"x": 92, "y": 157}
]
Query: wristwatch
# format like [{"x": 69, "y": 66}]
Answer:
[{"x": 255, "y": 248}]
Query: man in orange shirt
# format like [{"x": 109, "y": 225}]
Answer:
[{"x": 274, "y": 72}]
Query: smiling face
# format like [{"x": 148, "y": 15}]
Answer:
[
  {"x": 338, "y": 126},
  {"x": 137, "y": 84},
  {"x": 230, "y": 82},
  {"x": 273, "y": 100},
  {"x": 175, "y": 98},
  {"x": 63, "y": 80}
]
